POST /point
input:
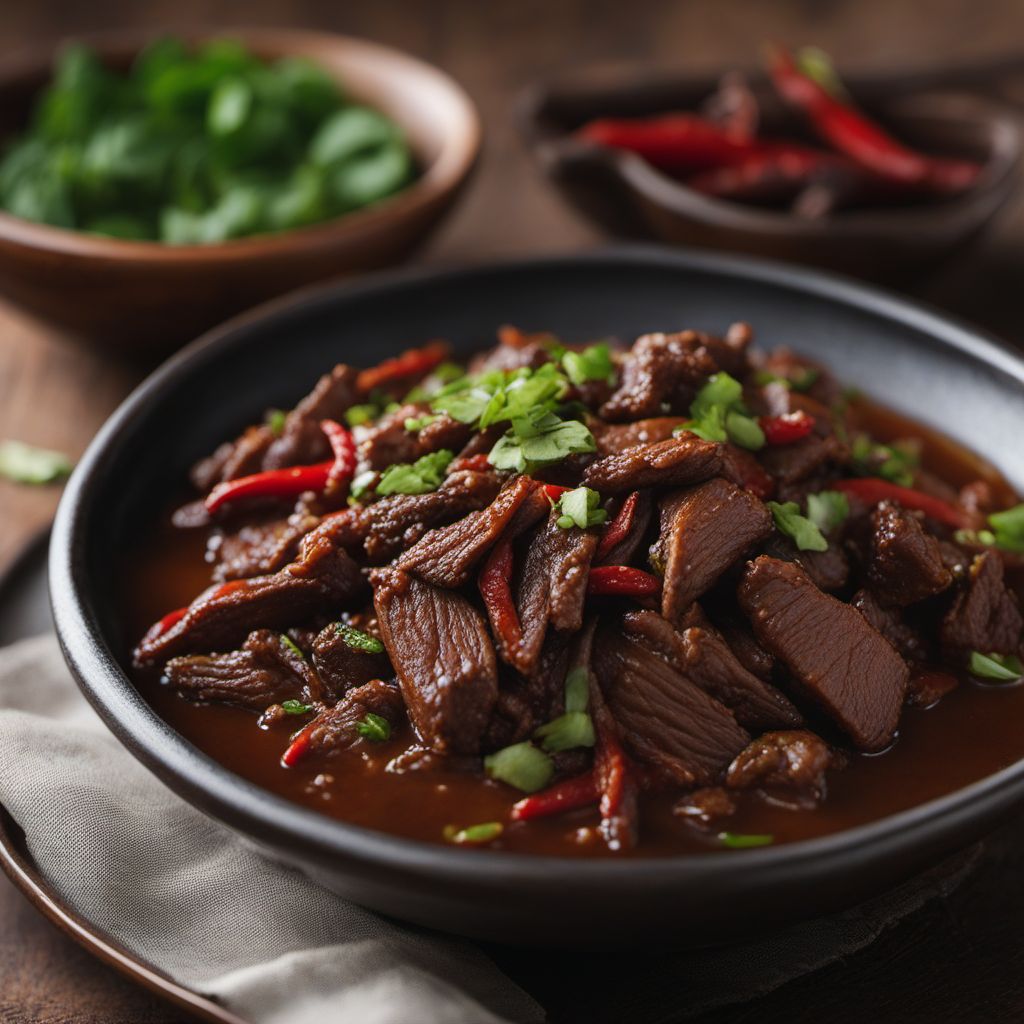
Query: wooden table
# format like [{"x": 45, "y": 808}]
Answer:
[{"x": 952, "y": 962}]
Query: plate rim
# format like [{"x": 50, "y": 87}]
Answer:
[{"x": 306, "y": 834}]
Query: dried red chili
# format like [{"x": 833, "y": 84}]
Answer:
[{"x": 416, "y": 362}]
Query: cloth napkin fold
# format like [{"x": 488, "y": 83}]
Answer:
[{"x": 197, "y": 902}]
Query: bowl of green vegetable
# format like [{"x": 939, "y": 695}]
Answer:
[{"x": 151, "y": 188}]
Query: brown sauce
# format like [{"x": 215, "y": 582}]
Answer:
[{"x": 971, "y": 733}]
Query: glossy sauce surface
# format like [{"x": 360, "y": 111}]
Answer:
[{"x": 972, "y": 732}]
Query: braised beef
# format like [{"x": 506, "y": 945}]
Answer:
[
  {"x": 335, "y": 728},
  {"x": 448, "y": 555},
  {"x": 745, "y": 646},
  {"x": 705, "y": 808},
  {"x": 906, "y": 563},
  {"x": 257, "y": 549},
  {"x": 836, "y": 659},
  {"x": 891, "y": 623},
  {"x": 260, "y": 673},
  {"x": 439, "y": 645},
  {"x": 665, "y": 719},
  {"x": 984, "y": 616},
  {"x": 787, "y": 768},
  {"x": 704, "y": 530},
  {"x": 389, "y": 441},
  {"x": 926, "y": 688},
  {"x": 704, "y": 657},
  {"x": 625, "y": 551},
  {"x": 681, "y": 460},
  {"x": 830, "y": 569},
  {"x": 615, "y": 437},
  {"x": 791, "y": 463},
  {"x": 343, "y": 661}
]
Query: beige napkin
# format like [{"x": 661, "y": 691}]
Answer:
[{"x": 193, "y": 899}]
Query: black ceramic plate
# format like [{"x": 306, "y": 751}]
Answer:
[{"x": 945, "y": 375}]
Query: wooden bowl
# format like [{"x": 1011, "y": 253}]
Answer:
[
  {"x": 145, "y": 297},
  {"x": 894, "y": 244}
]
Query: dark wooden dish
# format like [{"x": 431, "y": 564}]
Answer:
[
  {"x": 631, "y": 198},
  {"x": 142, "y": 297},
  {"x": 914, "y": 360}
]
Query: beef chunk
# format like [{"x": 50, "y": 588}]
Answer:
[
  {"x": 830, "y": 569},
  {"x": 745, "y": 646},
  {"x": 905, "y": 564},
  {"x": 704, "y": 530},
  {"x": 703, "y": 656},
  {"x": 791, "y": 463},
  {"x": 984, "y": 616},
  {"x": 787, "y": 768},
  {"x": 334, "y": 728},
  {"x": 890, "y": 623},
  {"x": 660, "y": 375},
  {"x": 623, "y": 553},
  {"x": 616, "y": 437},
  {"x": 927, "y": 688},
  {"x": 388, "y": 441},
  {"x": 664, "y": 718},
  {"x": 447, "y": 556},
  {"x": 705, "y": 808},
  {"x": 257, "y": 549},
  {"x": 262, "y": 672},
  {"x": 742, "y": 468},
  {"x": 440, "y": 648},
  {"x": 835, "y": 657},
  {"x": 322, "y": 576},
  {"x": 302, "y": 441},
  {"x": 550, "y": 588},
  {"x": 679, "y": 461},
  {"x": 526, "y": 350},
  {"x": 233, "y": 458},
  {"x": 343, "y": 664}
]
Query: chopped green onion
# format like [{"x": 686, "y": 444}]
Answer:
[
  {"x": 579, "y": 507},
  {"x": 573, "y": 729},
  {"x": 374, "y": 728},
  {"x": 416, "y": 423},
  {"x": 1008, "y": 528},
  {"x": 800, "y": 529},
  {"x": 744, "y": 841},
  {"x": 357, "y": 415},
  {"x": 295, "y": 707},
  {"x": 275, "y": 421},
  {"x": 292, "y": 646},
  {"x": 1004, "y": 668},
  {"x": 744, "y": 431},
  {"x": 827, "y": 509},
  {"x": 25, "y": 464},
  {"x": 975, "y": 538},
  {"x": 362, "y": 483},
  {"x": 474, "y": 835},
  {"x": 522, "y": 765},
  {"x": 577, "y": 689},
  {"x": 358, "y": 640},
  {"x": 419, "y": 477},
  {"x": 895, "y": 463}
]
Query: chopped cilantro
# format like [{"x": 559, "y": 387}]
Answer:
[
  {"x": 580, "y": 508},
  {"x": 419, "y": 477},
  {"x": 275, "y": 421},
  {"x": 827, "y": 509},
  {"x": 374, "y": 728},
  {"x": 357, "y": 415},
  {"x": 532, "y": 444},
  {"x": 1008, "y": 528},
  {"x": 718, "y": 414},
  {"x": 799, "y": 528},
  {"x": 416, "y": 423},
  {"x": 895, "y": 463},
  {"x": 592, "y": 363}
]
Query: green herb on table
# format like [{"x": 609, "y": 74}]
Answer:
[
  {"x": 196, "y": 146},
  {"x": 374, "y": 728},
  {"x": 797, "y": 527},
  {"x": 26, "y": 464},
  {"x": 1002, "y": 668},
  {"x": 580, "y": 507}
]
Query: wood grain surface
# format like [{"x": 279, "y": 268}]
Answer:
[{"x": 957, "y": 961}]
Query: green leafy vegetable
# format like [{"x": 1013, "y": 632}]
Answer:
[
  {"x": 827, "y": 509},
  {"x": 197, "y": 146},
  {"x": 744, "y": 841},
  {"x": 579, "y": 507},
  {"x": 1005, "y": 668},
  {"x": 374, "y": 728},
  {"x": 799, "y": 528},
  {"x": 895, "y": 463},
  {"x": 592, "y": 363},
  {"x": 718, "y": 414},
  {"x": 419, "y": 477},
  {"x": 522, "y": 765},
  {"x": 26, "y": 464},
  {"x": 474, "y": 835},
  {"x": 358, "y": 640},
  {"x": 357, "y": 415},
  {"x": 1008, "y": 528},
  {"x": 573, "y": 729},
  {"x": 295, "y": 707},
  {"x": 362, "y": 483},
  {"x": 416, "y": 423},
  {"x": 577, "y": 689},
  {"x": 531, "y": 445}
]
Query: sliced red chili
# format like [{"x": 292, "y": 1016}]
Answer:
[
  {"x": 416, "y": 362},
  {"x": 568, "y": 795},
  {"x": 622, "y": 580},
  {"x": 274, "y": 483},
  {"x": 873, "y": 490},
  {"x": 495, "y": 586},
  {"x": 167, "y": 622},
  {"x": 616, "y": 785},
  {"x": 785, "y": 429},
  {"x": 344, "y": 447},
  {"x": 477, "y": 463},
  {"x": 299, "y": 746},
  {"x": 618, "y": 528},
  {"x": 554, "y": 491}
]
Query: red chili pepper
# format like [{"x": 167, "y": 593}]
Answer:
[
  {"x": 274, "y": 483},
  {"x": 495, "y": 585},
  {"x": 567, "y": 795},
  {"x": 618, "y": 529},
  {"x": 615, "y": 783},
  {"x": 622, "y": 580},
  {"x": 299, "y": 746},
  {"x": 477, "y": 463},
  {"x": 675, "y": 142},
  {"x": 554, "y": 491},
  {"x": 167, "y": 622},
  {"x": 785, "y": 429},
  {"x": 872, "y": 490},
  {"x": 344, "y": 447},
  {"x": 861, "y": 139},
  {"x": 416, "y": 362}
]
